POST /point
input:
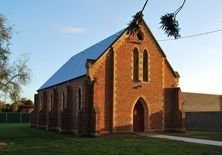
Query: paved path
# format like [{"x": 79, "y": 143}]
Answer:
[{"x": 184, "y": 139}]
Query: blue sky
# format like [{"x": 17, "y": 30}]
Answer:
[{"x": 53, "y": 31}]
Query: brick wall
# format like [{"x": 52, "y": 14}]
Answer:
[
  {"x": 68, "y": 119},
  {"x": 173, "y": 109},
  {"x": 34, "y": 116},
  {"x": 174, "y": 115},
  {"x": 43, "y": 109},
  {"x": 102, "y": 74},
  {"x": 53, "y": 114},
  {"x": 128, "y": 91}
]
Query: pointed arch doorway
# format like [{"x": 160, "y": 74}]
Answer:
[{"x": 139, "y": 119}]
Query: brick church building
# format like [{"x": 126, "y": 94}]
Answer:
[{"x": 121, "y": 84}]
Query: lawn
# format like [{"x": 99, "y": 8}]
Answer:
[
  {"x": 211, "y": 135},
  {"x": 21, "y": 139}
]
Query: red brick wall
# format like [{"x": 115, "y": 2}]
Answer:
[
  {"x": 68, "y": 119},
  {"x": 172, "y": 114},
  {"x": 103, "y": 94},
  {"x": 79, "y": 122},
  {"x": 34, "y": 113},
  {"x": 172, "y": 100},
  {"x": 128, "y": 91},
  {"x": 169, "y": 79},
  {"x": 68, "y": 112},
  {"x": 42, "y": 122}
]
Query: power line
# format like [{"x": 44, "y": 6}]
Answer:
[
  {"x": 144, "y": 5},
  {"x": 194, "y": 35}
]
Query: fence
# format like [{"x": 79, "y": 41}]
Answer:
[
  {"x": 13, "y": 117},
  {"x": 204, "y": 120}
]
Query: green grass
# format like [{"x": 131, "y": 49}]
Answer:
[
  {"x": 22, "y": 139},
  {"x": 211, "y": 135}
]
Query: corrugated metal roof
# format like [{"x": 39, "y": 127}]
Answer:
[{"x": 75, "y": 66}]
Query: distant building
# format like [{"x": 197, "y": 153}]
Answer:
[
  {"x": 121, "y": 84},
  {"x": 27, "y": 108}
]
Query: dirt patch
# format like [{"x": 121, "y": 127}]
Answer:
[{"x": 3, "y": 145}]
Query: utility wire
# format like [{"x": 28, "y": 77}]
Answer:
[{"x": 194, "y": 35}]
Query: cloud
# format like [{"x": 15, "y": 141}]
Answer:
[{"x": 69, "y": 29}]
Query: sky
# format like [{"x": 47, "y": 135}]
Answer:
[{"x": 52, "y": 31}]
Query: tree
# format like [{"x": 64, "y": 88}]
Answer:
[
  {"x": 15, "y": 106},
  {"x": 7, "y": 108},
  {"x": 24, "y": 102},
  {"x": 12, "y": 76},
  {"x": 2, "y": 105}
]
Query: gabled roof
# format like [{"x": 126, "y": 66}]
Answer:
[{"x": 75, "y": 66}]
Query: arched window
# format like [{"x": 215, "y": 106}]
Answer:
[
  {"x": 135, "y": 64},
  {"x": 79, "y": 99},
  {"x": 63, "y": 101},
  {"x": 145, "y": 66}
]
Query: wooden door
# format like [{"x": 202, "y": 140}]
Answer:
[{"x": 138, "y": 117}]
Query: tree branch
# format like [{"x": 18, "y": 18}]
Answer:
[{"x": 5, "y": 84}]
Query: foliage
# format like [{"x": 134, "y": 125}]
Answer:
[
  {"x": 134, "y": 26},
  {"x": 25, "y": 101},
  {"x": 2, "y": 106},
  {"x": 12, "y": 76},
  {"x": 7, "y": 108},
  {"x": 168, "y": 23},
  {"x": 15, "y": 106}
]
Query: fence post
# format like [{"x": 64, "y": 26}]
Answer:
[{"x": 6, "y": 117}]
